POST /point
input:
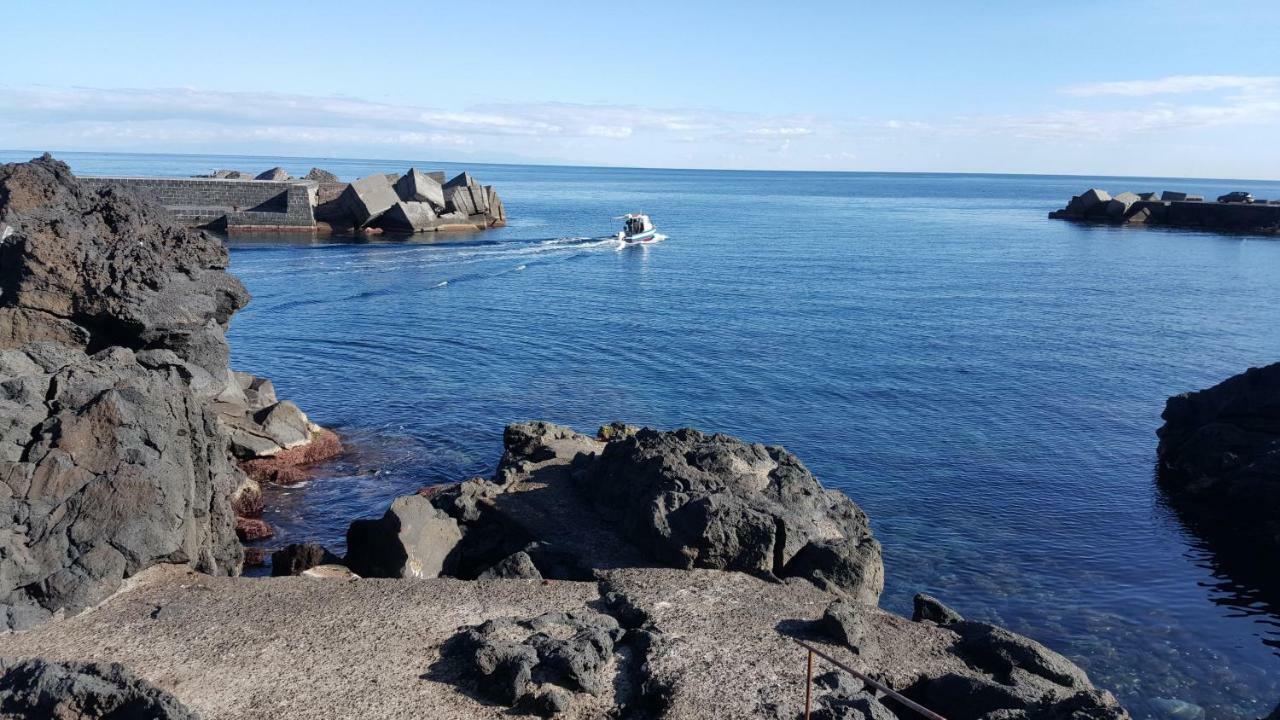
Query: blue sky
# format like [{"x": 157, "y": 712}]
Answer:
[{"x": 1163, "y": 88}]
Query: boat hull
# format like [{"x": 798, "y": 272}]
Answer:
[{"x": 644, "y": 237}]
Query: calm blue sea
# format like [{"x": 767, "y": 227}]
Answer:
[{"x": 985, "y": 382}]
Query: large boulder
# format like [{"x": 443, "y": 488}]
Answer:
[
  {"x": 111, "y": 351},
  {"x": 366, "y": 199},
  {"x": 40, "y": 690},
  {"x": 688, "y": 499},
  {"x": 412, "y": 540},
  {"x": 417, "y": 186}
]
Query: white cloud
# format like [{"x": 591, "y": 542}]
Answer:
[
  {"x": 1176, "y": 85},
  {"x": 1102, "y": 115}
]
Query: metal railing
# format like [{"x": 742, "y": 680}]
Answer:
[{"x": 881, "y": 688}]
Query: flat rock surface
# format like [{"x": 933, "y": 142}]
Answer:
[
  {"x": 295, "y": 647},
  {"x": 723, "y": 644}
]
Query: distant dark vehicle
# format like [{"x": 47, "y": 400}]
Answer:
[{"x": 1236, "y": 197}]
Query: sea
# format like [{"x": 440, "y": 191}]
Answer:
[{"x": 985, "y": 382}]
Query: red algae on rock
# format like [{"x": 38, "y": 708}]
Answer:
[{"x": 290, "y": 466}]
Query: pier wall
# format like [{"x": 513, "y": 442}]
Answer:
[{"x": 230, "y": 203}]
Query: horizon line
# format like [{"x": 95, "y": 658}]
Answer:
[{"x": 55, "y": 153}]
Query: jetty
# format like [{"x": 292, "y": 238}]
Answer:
[
  {"x": 232, "y": 201},
  {"x": 1173, "y": 209}
]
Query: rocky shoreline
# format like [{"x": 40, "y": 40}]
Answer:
[
  {"x": 636, "y": 573},
  {"x": 1219, "y": 467}
]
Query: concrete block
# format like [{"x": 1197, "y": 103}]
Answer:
[
  {"x": 368, "y": 198},
  {"x": 460, "y": 180},
  {"x": 458, "y": 199},
  {"x": 276, "y": 173},
  {"x": 408, "y": 217},
  {"x": 417, "y": 186},
  {"x": 1172, "y": 195}
]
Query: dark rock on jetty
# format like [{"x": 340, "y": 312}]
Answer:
[
  {"x": 1170, "y": 208},
  {"x": 1219, "y": 464},
  {"x": 113, "y": 362},
  {"x": 40, "y": 690}
]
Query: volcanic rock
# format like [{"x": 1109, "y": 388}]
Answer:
[
  {"x": 253, "y": 529},
  {"x": 515, "y": 565},
  {"x": 39, "y": 689},
  {"x": 930, "y": 609},
  {"x": 111, "y": 347},
  {"x": 693, "y": 500},
  {"x": 412, "y": 540},
  {"x": 517, "y": 661},
  {"x": 1219, "y": 466},
  {"x": 296, "y": 558}
]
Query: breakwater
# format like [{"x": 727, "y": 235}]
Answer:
[
  {"x": 233, "y": 201},
  {"x": 1174, "y": 209},
  {"x": 226, "y": 203}
]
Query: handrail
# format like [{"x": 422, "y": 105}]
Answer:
[{"x": 931, "y": 715}]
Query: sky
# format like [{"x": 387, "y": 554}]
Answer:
[{"x": 1168, "y": 88}]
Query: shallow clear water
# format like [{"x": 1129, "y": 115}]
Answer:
[{"x": 985, "y": 382}]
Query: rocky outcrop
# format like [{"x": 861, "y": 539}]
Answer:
[
  {"x": 569, "y": 615},
  {"x": 1170, "y": 208},
  {"x": 39, "y": 690},
  {"x": 114, "y": 365},
  {"x": 111, "y": 332},
  {"x": 688, "y": 499},
  {"x": 573, "y": 504},
  {"x": 1219, "y": 466}
]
